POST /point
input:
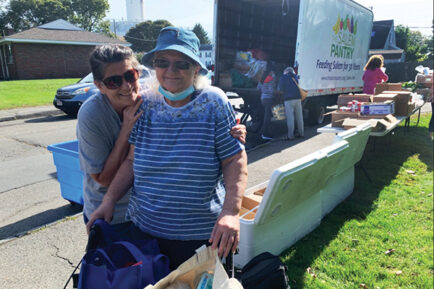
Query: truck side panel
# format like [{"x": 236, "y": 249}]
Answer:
[{"x": 332, "y": 44}]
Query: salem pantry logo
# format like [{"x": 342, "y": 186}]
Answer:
[{"x": 344, "y": 37}]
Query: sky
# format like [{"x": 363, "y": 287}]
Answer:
[{"x": 186, "y": 13}]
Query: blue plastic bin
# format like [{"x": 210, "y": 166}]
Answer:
[{"x": 65, "y": 156}]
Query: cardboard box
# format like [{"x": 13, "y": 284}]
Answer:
[
  {"x": 402, "y": 109},
  {"x": 343, "y": 99},
  {"x": 338, "y": 116},
  {"x": 384, "y": 97},
  {"x": 378, "y": 108},
  {"x": 380, "y": 87},
  {"x": 426, "y": 80},
  {"x": 378, "y": 122},
  {"x": 350, "y": 123},
  {"x": 401, "y": 96},
  {"x": 390, "y": 118},
  {"x": 378, "y": 125},
  {"x": 402, "y": 100}
]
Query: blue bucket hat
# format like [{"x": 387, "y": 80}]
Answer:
[{"x": 179, "y": 39}]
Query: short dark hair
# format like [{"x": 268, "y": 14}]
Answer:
[
  {"x": 375, "y": 61},
  {"x": 106, "y": 54}
]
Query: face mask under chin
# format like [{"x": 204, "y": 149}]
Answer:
[{"x": 176, "y": 96}]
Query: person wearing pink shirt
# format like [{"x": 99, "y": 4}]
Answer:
[{"x": 373, "y": 74}]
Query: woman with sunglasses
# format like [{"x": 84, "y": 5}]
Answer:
[
  {"x": 105, "y": 122},
  {"x": 180, "y": 153}
]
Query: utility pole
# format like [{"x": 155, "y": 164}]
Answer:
[{"x": 114, "y": 27}]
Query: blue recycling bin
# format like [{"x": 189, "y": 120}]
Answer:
[{"x": 69, "y": 175}]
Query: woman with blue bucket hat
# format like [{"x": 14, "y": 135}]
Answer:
[{"x": 188, "y": 173}]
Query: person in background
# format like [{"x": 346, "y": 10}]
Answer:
[
  {"x": 267, "y": 85},
  {"x": 104, "y": 125},
  {"x": 373, "y": 74},
  {"x": 292, "y": 100},
  {"x": 180, "y": 154}
]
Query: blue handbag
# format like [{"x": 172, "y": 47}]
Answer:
[
  {"x": 111, "y": 263},
  {"x": 121, "y": 265}
]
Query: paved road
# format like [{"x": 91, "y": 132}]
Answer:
[{"x": 29, "y": 191}]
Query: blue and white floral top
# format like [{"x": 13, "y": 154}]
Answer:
[{"x": 178, "y": 186}]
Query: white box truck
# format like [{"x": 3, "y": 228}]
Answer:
[{"x": 326, "y": 40}]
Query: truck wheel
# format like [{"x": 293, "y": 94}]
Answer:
[
  {"x": 316, "y": 113},
  {"x": 320, "y": 114}
]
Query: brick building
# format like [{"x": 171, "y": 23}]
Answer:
[{"x": 54, "y": 50}]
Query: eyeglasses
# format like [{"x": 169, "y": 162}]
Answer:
[
  {"x": 115, "y": 81},
  {"x": 180, "y": 64}
]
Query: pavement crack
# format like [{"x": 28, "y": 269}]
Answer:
[
  {"x": 63, "y": 258},
  {"x": 28, "y": 143},
  {"x": 30, "y": 184}
]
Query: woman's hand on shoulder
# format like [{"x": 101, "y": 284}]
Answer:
[
  {"x": 131, "y": 113},
  {"x": 239, "y": 132}
]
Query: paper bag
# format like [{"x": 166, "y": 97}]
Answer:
[{"x": 204, "y": 261}]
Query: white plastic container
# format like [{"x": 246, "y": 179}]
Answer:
[{"x": 278, "y": 213}]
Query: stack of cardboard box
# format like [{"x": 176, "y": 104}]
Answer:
[
  {"x": 403, "y": 102},
  {"x": 338, "y": 116},
  {"x": 388, "y": 101}
]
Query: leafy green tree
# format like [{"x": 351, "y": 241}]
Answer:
[
  {"x": 25, "y": 14},
  {"x": 88, "y": 14},
  {"x": 415, "y": 45},
  {"x": 144, "y": 35},
  {"x": 103, "y": 27},
  {"x": 3, "y": 21},
  {"x": 201, "y": 34}
]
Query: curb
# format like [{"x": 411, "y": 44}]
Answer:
[{"x": 18, "y": 115}]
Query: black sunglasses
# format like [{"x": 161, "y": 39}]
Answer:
[
  {"x": 115, "y": 81},
  {"x": 180, "y": 64}
]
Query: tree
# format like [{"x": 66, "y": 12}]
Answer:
[
  {"x": 88, "y": 14},
  {"x": 143, "y": 36},
  {"x": 3, "y": 21},
  {"x": 25, "y": 14},
  {"x": 103, "y": 27},
  {"x": 201, "y": 34},
  {"x": 417, "y": 47}
]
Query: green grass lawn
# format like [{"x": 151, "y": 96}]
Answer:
[
  {"x": 21, "y": 93},
  {"x": 382, "y": 235}
]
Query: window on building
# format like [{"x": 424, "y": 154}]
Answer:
[{"x": 200, "y": 54}]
